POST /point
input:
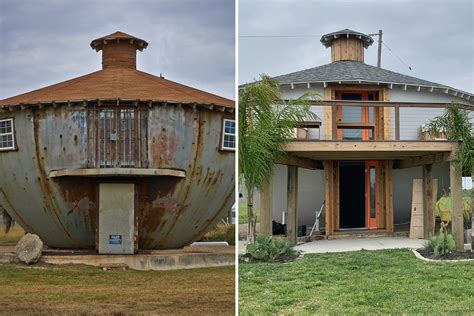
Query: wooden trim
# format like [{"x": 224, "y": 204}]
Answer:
[
  {"x": 350, "y": 125},
  {"x": 397, "y": 122},
  {"x": 389, "y": 104},
  {"x": 336, "y": 193},
  {"x": 358, "y": 146},
  {"x": 327, "y": 114}
]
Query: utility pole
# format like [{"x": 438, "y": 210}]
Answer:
[{"x": 379, "y": 53}]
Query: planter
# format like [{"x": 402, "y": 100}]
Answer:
[
  {"x": 445, "y": 216},
  {"x": 468, "y": 236}
]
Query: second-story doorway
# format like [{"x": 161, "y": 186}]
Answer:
[{"x": 356, "y": 122}]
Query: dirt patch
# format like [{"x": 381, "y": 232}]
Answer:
[{"x": 455, "y": 255}]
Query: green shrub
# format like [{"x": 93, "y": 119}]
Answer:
[
  {"x": 269, "y": 249},
  {"x": 222, "y": 232},
  {"x": 443, "y": 243}
]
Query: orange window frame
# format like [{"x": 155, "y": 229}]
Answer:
[{"x": 365, "y": 111}]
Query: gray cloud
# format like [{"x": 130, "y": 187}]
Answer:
[
  {"x": 45, "y": 42},
  {"x": 435, "y": 38}
]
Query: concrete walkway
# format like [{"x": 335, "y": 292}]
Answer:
[{"x": 347, "y": 244}]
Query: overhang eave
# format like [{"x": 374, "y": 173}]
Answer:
[{"x": 405, "y": 153}]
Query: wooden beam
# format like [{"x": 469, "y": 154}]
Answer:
[
  {"x": 388, "y": 197},
  {"x": 456, "y": 202},
  {"x": 422, "y": 160},
  {"x": 306, "y": 163},
  {"x": 266, "y": 213},
  {"x": 292, "y": 193},
  {"x": 397, "y": 122},
  {"x": 436, "y": 105},
  {"x": 334, "y": 122},
  {"x": 361, "y": 146},
  {"x": 428, "y": 202}
]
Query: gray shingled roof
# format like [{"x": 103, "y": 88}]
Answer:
[
  {"x": 352, "y": 71},
  {"x": 326, "y": 39}
]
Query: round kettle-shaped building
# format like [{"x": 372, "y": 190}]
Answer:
[{"x": 117, "y": 160}]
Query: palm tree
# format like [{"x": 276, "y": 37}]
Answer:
[
  {"x": 455, "y": 125},
  {"x": 266, "y": 124}
]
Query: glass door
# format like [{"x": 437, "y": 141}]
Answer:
[{"x": 371, "y": 195}]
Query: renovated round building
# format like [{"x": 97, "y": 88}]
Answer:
[{"x": 117, "y": 160}]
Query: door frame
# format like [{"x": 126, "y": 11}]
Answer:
[{"x": 365, "y": 111}]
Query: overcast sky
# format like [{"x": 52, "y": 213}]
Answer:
[
  {"x": 435, "y": 38},
  {"x": 45, "y": 42}
]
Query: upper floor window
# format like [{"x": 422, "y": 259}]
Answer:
[
  {"x": 228, "y": 135},
  {"x": 117, "y": 137},
  {"x": 7, "y": 139}
]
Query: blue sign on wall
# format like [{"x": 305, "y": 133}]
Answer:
[{"x": 115, "y": 239}]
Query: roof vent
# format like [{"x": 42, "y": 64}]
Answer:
[
  {"x": 347, "y": 45},
  {"x": 119, "y": 50}
]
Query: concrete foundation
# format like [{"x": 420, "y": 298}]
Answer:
[{"x": 160, "y": 260}]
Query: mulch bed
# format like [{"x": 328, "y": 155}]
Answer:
[{"x": 455, "y": 255}]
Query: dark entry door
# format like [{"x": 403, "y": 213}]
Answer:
[{"x": 352, "y": 212}]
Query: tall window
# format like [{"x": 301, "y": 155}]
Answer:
[
  {"x": 117, "y": 138},
  {"x": 228, "y": 135},
  {"x": 7, "y": 139}
]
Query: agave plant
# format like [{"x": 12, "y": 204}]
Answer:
[{"x": 266, "y": 124}]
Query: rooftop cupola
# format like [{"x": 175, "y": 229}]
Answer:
[
  {"x": 119, "y": 50},
  {"x": 347, "y": 45}
]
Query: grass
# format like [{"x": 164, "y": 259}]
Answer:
[
  {"x": 10, "y": 239},
  {"x": 78, "y": 289},
  {"x": 243, "y": 215},
  {"x": 363, "y": 282},
  {"x": 222, "y": 232}
]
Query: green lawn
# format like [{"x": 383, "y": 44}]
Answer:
[
  {"x": 243, "y": 216},
  {"x": 363, "y": 282},
  {"x": 79, "y": 290}
]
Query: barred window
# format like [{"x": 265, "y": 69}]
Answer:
[
  {"x": 228, "y": 135},
  {"x": 7, "y": 139}
]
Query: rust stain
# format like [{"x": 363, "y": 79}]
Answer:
[{"x": 43, "y": 180}]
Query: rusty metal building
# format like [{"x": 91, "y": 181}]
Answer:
[{"x": 118, "y": 159}]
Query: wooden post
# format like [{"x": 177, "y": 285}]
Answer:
[
  {"x": 389, "y": 196},
  {"x": 428, "y": 205},
  {"x": 397, "y": 122},
  {"x": 292, "y": 190},
  {"x": 329, "y": 197},
  {"x": 456, "y": 202},
  {"x": 334, "y": 122},
  {"x": 266, "y": 213}
]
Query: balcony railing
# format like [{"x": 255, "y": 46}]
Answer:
[{"x": 372, "y": 129}]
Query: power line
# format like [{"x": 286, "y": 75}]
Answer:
[{"x": 401, "y": 60}]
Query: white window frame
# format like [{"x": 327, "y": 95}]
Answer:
[
  {"x": 11, "y": 133},
  {"x": 224, "y": 133}
]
